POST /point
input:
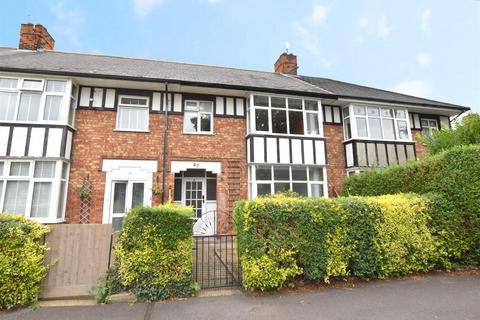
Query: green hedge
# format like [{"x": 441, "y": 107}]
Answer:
[
  {"x": 454, "y": 175},
  {"x": 154, "y": 252},
  {"x": 21, "y": 260},
  {"x": 282, "y": 237}
]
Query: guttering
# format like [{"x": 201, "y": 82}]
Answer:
[{"x": 165, "y": 142}]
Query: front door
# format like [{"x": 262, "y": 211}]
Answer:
[
  {"x": 125, "y": 196},
  {"x": 194, "y": 194}
]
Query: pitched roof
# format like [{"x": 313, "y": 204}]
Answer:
[
  {"x": 354, "y": 91},
  {"x": 101, "y": 66}
]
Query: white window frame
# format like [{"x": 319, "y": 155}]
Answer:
[
  {"x": 199, "y": 114},
  {"x": 430, "y": 128},
  {"x": 252, "y": 108},
  {"x": 55, "y": 190},
  {"x": 253, "y": 182},
  {"x": 133, "y": 106},
  {"x": 353, "y": 122}
]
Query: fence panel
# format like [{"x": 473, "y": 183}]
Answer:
[{"x": 79, "y": 254}]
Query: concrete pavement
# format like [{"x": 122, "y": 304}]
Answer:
[{"x": 429, "y": 297}]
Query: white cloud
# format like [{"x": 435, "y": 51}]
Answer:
[
  {"x": 143, "y": 7},
  {"x": 311, "y": 42},
  {"x": 423, "y": 59},
  {"x": 68, "y": 21},
  {"x": 212, "y": 2},
  {"x": 419, "y": 88},
  {"x": 383, "y": 29},
  {"x": 319, "y": 14},
  {"x": 425, "y": 21},
  {"x": 377, "y": 27}
]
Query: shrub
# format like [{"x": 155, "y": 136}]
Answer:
[
  {"x": 281, "y": 237},
  {"x": 21, "y": 260},
  {"x": 455, "y": 176},
  {"x": 466, "y": 132},
  {"x": 110, "y": 284},
  {"x": 154, "y": 252}
]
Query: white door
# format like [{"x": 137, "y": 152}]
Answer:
[
  {"x": 194, "y": 194},
  {"x": 125, "y": 196}
]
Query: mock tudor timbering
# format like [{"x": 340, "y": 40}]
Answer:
[{"x": 143, "y": 130}]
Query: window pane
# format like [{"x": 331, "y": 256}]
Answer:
[
  {"x": 296, "y": 122},
  {"x": 312, "y": 123},
  {"x": 263, "y": 173},
  {"x": 316, "y": 190},
  {"x": 346, "y": 112},
  {"x": 119, "y": 194},
  {"x": 8, "y": 101},
  {"x": 375, "y": 128},
  {"x": 29, "y": 106},
  {"x": 56, "y": 86},
  {"x": 32, "y": 84},
  {"x": 402, "y": 129},
  {"x": 264, "y": 189},
  {"x": 386, "y": 112},
  {"x": 299, "y": 173},
  {"x": 281, "y": 187},
  {"x": 348, "y": 129},
  {"x": 44, "y": 169},
  {"x": 8, "y": 83},
  {"x": 278, "y": 102},
  {"x": 372, "y": 111},
  {"x": 71, "y": 112},
  {"x": 138, "y": 189},
  {"x": 300, "y": 188},
  {"x": 261, "y": 120},
  {"x": 177, "y": 190},
  {"x": 279, "y": 121},
  {"x": 1, "y": 187},
  {"x": 388, "y": 129},
  {"x": 134, "y": 101},
  {"x": 311, "y": 105},
  {"x": 281, "y": 173},
  {"x": 41, "y": 199},
  {"x": 362, "y": 127},
  {"x": 359, "y": 110},
  {"x": 19, "y": 169},
  {"x": 74, "y": 90},
  {"x": 205, "y": 122},
  {"x": 400, "y": 114},
  {"x": 190, "y": 120},
  {"x": 424, "y": 123},
  {"x": 211, "y": 189},
  {"x": 52, "y": 108},
  {"x": 315, "y": 174},
  {"x": 15, "y": 197},
  {"x": 261, "y": 101},
  {"x": 295, "y": 104},
  {"x": 2, "y": 164},
  {"x": 64, "y": 170},
  {"x": 433, "y": 123},
  {"x": 61, "y": 200},
  {"x": 206, "y": 106}
]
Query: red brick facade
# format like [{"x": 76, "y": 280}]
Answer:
[
  {"x": 34, "y": 37},
  {"x": 96, "y": 140},
  {"x": 419, "y": 146},
  {"x": 335, "y": 158}
]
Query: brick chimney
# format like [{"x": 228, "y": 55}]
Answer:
[
  {"x": 35, "y": 37},
  {"x": 286, "y": 63}
]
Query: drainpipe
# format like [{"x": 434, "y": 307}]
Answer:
[{"x": 165, "y": 142}]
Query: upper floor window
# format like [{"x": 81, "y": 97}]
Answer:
[
  {"x": 428, "y": 126},
  {"x": 282, "y": 115},
  {"x": 32, "y": 100},
  {"x": 132, "y": 113},
  {"x": 376, "y": 123},
  {"x": 198, "y": 117}
]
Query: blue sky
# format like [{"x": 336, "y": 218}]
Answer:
[{"x": 426, "y": 48}]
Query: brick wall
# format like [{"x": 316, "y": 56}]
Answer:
[
  {"x": 335, "y": 158},
  {"x": 420, "y": 148},
  {"x": 95, "y": 140}
]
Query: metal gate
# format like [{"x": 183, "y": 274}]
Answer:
[{"x": 215, "y": 261}]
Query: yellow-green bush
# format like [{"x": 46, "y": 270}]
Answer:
[
  {"x": 154, "y": 252},
  {"x": 21, "y": 260},
  {"x": 281, "y": 237}
]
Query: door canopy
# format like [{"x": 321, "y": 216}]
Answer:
[{"x": 214, "y": 167}]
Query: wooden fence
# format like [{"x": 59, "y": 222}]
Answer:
[{"x": 79, "y": 254}]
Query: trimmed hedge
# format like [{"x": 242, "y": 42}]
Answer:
[
  {"x": 454, "y": 175},
  {"x": 281, "y": 237},
  {"x": 21, "y": 260},
  {"x": 154, "y": 252}
]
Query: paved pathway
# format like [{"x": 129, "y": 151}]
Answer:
[{"x": 431, "y": 297}]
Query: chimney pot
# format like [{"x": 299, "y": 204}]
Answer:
[
  {"x": 286, "y": 63},
  {"x": 35, "y": 37}
]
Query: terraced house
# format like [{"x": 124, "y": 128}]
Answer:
[{"x": 84, "y": 138}]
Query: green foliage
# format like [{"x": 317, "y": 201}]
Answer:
[
  {"x": 454, "y": 175},
  {"x": 281, "y": 237},
  {"x": 154, "y": 252},
  {"x": 21, "y": 260},
  {"x": 466, "y": 132},
  {"x": 111, "y": 284}
]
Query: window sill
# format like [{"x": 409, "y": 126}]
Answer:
[
  {"x": 378, "y": 140},
  {"x": 126, "y": 130},
  {"x": 199, "y": 133}
]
